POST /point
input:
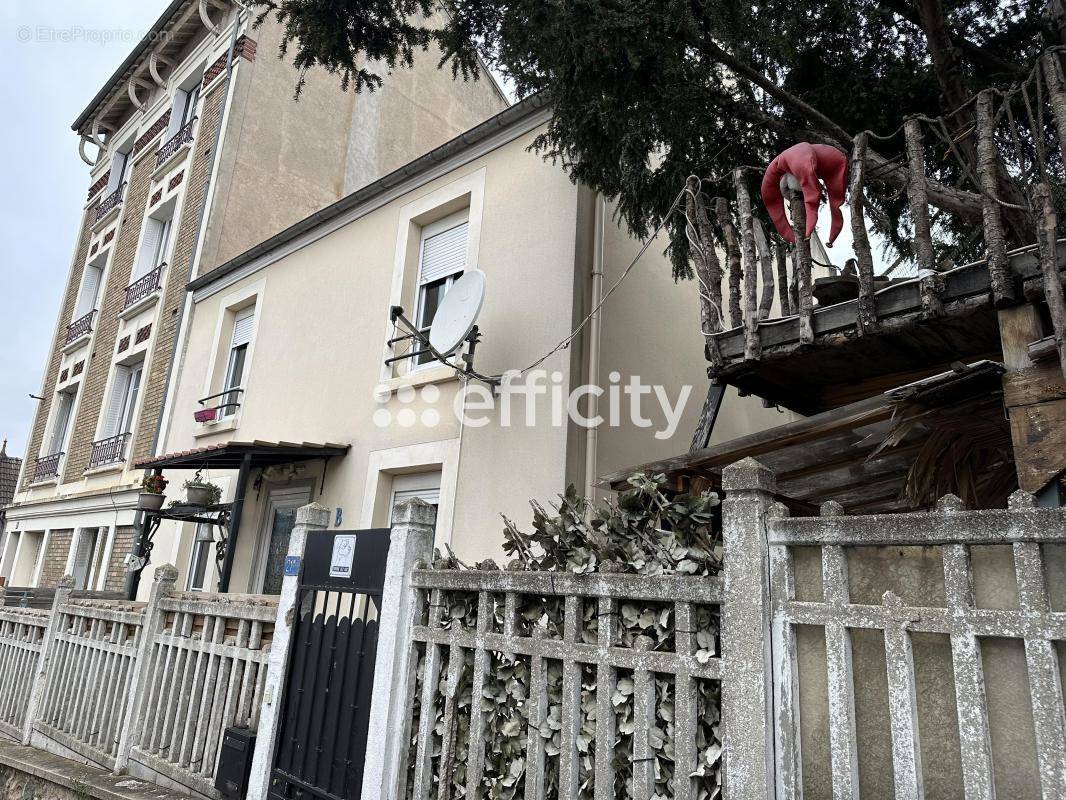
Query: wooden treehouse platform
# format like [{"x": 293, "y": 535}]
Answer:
[{"x": 844, "y": 364}]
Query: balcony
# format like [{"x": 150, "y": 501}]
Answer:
[
  {"x": 47, "y": 467},
  {"x": 80, "y": 327},
  {"x": 110, "y": 203},
  {"x": 143, "y": 287},
  {"x": 111, "y": 450},
  {"x": 175, "y": 143}
]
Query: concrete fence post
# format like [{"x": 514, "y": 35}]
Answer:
[
  {"x": 309, "y": 518},
  {"x": 166, "y": 576},
  {"x": 39, "y": 684},
  {"x": 747, "y": 697},
  {"x": 411, "y": 541}
]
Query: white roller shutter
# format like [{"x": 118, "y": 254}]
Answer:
[
  {"x": 242, "y": 327},
  {"x": 443, "y": 254}
]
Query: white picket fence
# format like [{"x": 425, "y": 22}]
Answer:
[{"x": 22, "y": 633}]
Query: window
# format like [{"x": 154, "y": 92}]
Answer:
[
  {"x": 425, "y": 486},
  {"x": 61, "y": 423},
  {"x": 87, "y": 556},
  {"x": 184, "y": 108},
  {"x": 154, "y": 246},
  {"x": 118, "y": 172},
  {"x": 122, "y": 405},
  {"x": 200, "y": 559},
  {"x": 237, "y": 360},
  {"x": 90, "y": 289},
  {"x": 441, "y": 259}
]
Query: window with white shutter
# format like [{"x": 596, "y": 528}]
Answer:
[
  {"x": 122, "y": 404},
  {"x": 243, "y": 323},
  {"x": 87, "y": 294},
  {"x": 441, "y": 260},
  {"x": 82, "y": 570},
  {"x": 61, "y": 423},
  {"x": 118, "y": 172},
  {"x": 153, "y": 249}
]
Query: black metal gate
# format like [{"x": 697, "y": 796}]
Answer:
[{"x": 326, "y": 703}]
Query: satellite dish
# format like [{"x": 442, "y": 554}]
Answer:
[{"x": 457, "y": 313}]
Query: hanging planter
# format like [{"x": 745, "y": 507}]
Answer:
[
  {"x": 151, "y": 497},
  {"x": 199, "y": 492},
  {"x": 205, "y": 415}
]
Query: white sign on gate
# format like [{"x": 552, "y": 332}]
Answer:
[{"x": 340, "y": 565}]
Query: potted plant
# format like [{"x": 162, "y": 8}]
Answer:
[
  {"x": 151, "y": 497},
  {"x": 199, "y": 492}
]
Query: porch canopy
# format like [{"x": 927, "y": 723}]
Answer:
[
  {"x": 882, "y": 454},
  {"x": 243, "y": 457}
]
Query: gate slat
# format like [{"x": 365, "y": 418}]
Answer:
[
  {"x": 606, "y": 683},
  {"x": 475, "y": 759},
  {"x": 427, "y": 718},
  {"x": 571, "y": 704},
  {"x": 843, "y": 753}
]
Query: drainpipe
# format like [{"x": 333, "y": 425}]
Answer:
[{"x": 592, "y": 432}]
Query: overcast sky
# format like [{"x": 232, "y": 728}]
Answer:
[{"x": 56, "y": 55}]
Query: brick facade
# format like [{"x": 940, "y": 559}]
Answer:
[
  {"x": 162, "y": 346},
  {"x": 107, "y": 322},
  {"x": 116, "y": 568},
  {"x": 55, "y": 558},
  {"x": 33, "y": 449}
]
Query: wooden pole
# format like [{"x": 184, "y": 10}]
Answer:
[
  {"x": 766, "y": 269},
  {"x": 919, "y": 207},
  {"x": 1056, "y": 92},
  {"x": 752, "y": 346},
  {"x": 708, "y": 271},
  {"x": 995, "y": 238},
  {"x": 782, "y": 278},
  {"x": 1047, "y": 246},
  {"x": 803, "y": 268},
  {"x": 867, "y": 321},
  {"x": 732, "y": 251}
]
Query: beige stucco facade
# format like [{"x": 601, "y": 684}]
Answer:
[
  {"x": 254, "y": 161},
  {"x": 315, "y": 364}
]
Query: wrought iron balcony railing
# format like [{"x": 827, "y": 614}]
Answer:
[
  {"x": 47, "y": 467},
  {"x": 108, "y": 451},
  {"x": 80, "y": 327},
  {"x": 143, "y": 286},
  {"x": 226, "y": 405},
  {"x": 175, "y": 142},
  {"x": 113, "y": 200}
]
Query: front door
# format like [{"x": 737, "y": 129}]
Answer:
[{"x": 279, "y": 520}]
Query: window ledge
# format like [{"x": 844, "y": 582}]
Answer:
[
  {"x": 211, "y": 428},
  {"x": 78, "y": 343},
  {"x": 104, "y": 469},
  {"x": 419, "y": 377},
  {"x": 43, "y": 483},
  {"x": 107, "y": 218},
  {"x": 175, "y": 158},
  {"x": 141, "y": 305}
]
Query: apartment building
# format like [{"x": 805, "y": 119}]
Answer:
[
  {"x": 196, "y": 151},
  {"x": 296, "y": 383}
]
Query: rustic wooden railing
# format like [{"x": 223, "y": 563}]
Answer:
[
  {"x": 82, "y": 326},
  {"x": 175, "y": 142},
  {"x": 143, "y": 286},
  {"x": 756, "y": 267},
  {"x": 111, "y": 202},
  {"x": 108, "y": 451}
]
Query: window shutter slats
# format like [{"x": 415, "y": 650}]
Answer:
[
  {"x": 242, "y": 327},
  {"x": 146, "y": 257},
  {"x": 90, "y": 287},
  {"x": 118, "y": 171},
  {"x": 177, "y": 113},
  {"x": 443, "y": 254},
  {"x": 119, "y": 387}
]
